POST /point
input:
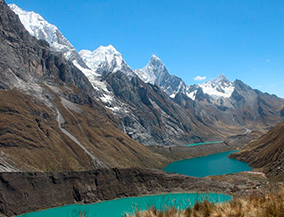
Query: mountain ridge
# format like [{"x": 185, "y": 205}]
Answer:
[
  {"x": 41, "y": 29},
  {"x": 229, "y": 107},
  {"x": 50, "y": 119}
]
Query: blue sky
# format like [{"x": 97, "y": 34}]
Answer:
[{"x": 241, "y": 39}]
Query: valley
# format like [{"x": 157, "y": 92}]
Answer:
[{"x": 81, "y": 127}]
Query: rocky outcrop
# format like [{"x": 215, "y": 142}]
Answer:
[{"x": 26, "y": 192}]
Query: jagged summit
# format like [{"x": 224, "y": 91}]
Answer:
[
  {"x": 155, "y": 72},
  {"x": 106, "y": 59},
  {"x": 155, "y": 60},
  {"x": 38, "y": 27},
  {"x": 34, "y": 23},
  {"x": 154, "y": 57},
  {"x": 220, "y": 79},
  {"x": 218, "y": 87},
  {"x": 102, "y": 55},
  {"x": 41, "y": 29},
  {"x": 152, "y": 72}
]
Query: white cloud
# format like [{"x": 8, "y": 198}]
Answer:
[
  {"x": 268, "y": 60},
  {"x": 271, "y": 85},
  {"x": 199, "y": 78}
]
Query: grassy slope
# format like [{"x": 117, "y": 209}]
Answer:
[
  {"x": 31, "y": 140},
  {"x": 271, "y": 204},
  {"x": 266, "y": 153}
]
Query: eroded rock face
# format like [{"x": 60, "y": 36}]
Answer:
[
  {"x": 26, "y": 192},
  {"x": 151, "y": 117}
]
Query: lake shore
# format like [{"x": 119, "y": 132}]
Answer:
[{"x": 24, "y": 192}]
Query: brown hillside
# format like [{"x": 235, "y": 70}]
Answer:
[
  {"x": 266, "y": 153},
  {"x": 30, "y": 138}
]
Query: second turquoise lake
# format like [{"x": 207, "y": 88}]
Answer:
[{"x": 215, "y": 164}]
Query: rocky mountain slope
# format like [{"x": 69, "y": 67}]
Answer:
[
  {"x": 266, "y": 153},
  {"x": 220, "y": 107},
  {"x": 227, "y": 106},
  {"x": 231, "y": 107},
  {"x": 146, "y": 114},
  {"x": 49, "y": 118},
  {"x": 152, "y": 118},
  {"x": 239, "y": 108}
]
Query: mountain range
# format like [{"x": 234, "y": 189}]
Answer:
[
  {"x": 50, "y": 119},
  {"x": 230, "y": 107},
  {"x": 91, "y": 105}
]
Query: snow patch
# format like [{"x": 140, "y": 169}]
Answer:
[
  {"x": 93, "y": 77},
  {"x": 218, "y": 90},
  {"x": 192, "y": 94},
  {"x": 106, "y": 98},
  {"x": 114, "y": 109}
]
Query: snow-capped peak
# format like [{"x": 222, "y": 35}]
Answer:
[
  {"x": 154, "y": 57},
  {"x": 35, "y": 24},
  {"x": 218, "y": 87},
  {"x": 152, "y": 71},
  {"x": 155, "y": 72},
  {"x": 41, "y": 29},
  {"x": 156, "y": 61},
  {"x": 220, "y": 79},
  {"x": 31, "y": 20},
  {"x": 102, "y": 56},
  {"x": 106, "y": 59}
]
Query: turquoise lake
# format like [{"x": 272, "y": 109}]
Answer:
[
  {"x": 215, "y": 164},
  {"x": 203, "y": 143},
  {"x": 117, "y": 208}
]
